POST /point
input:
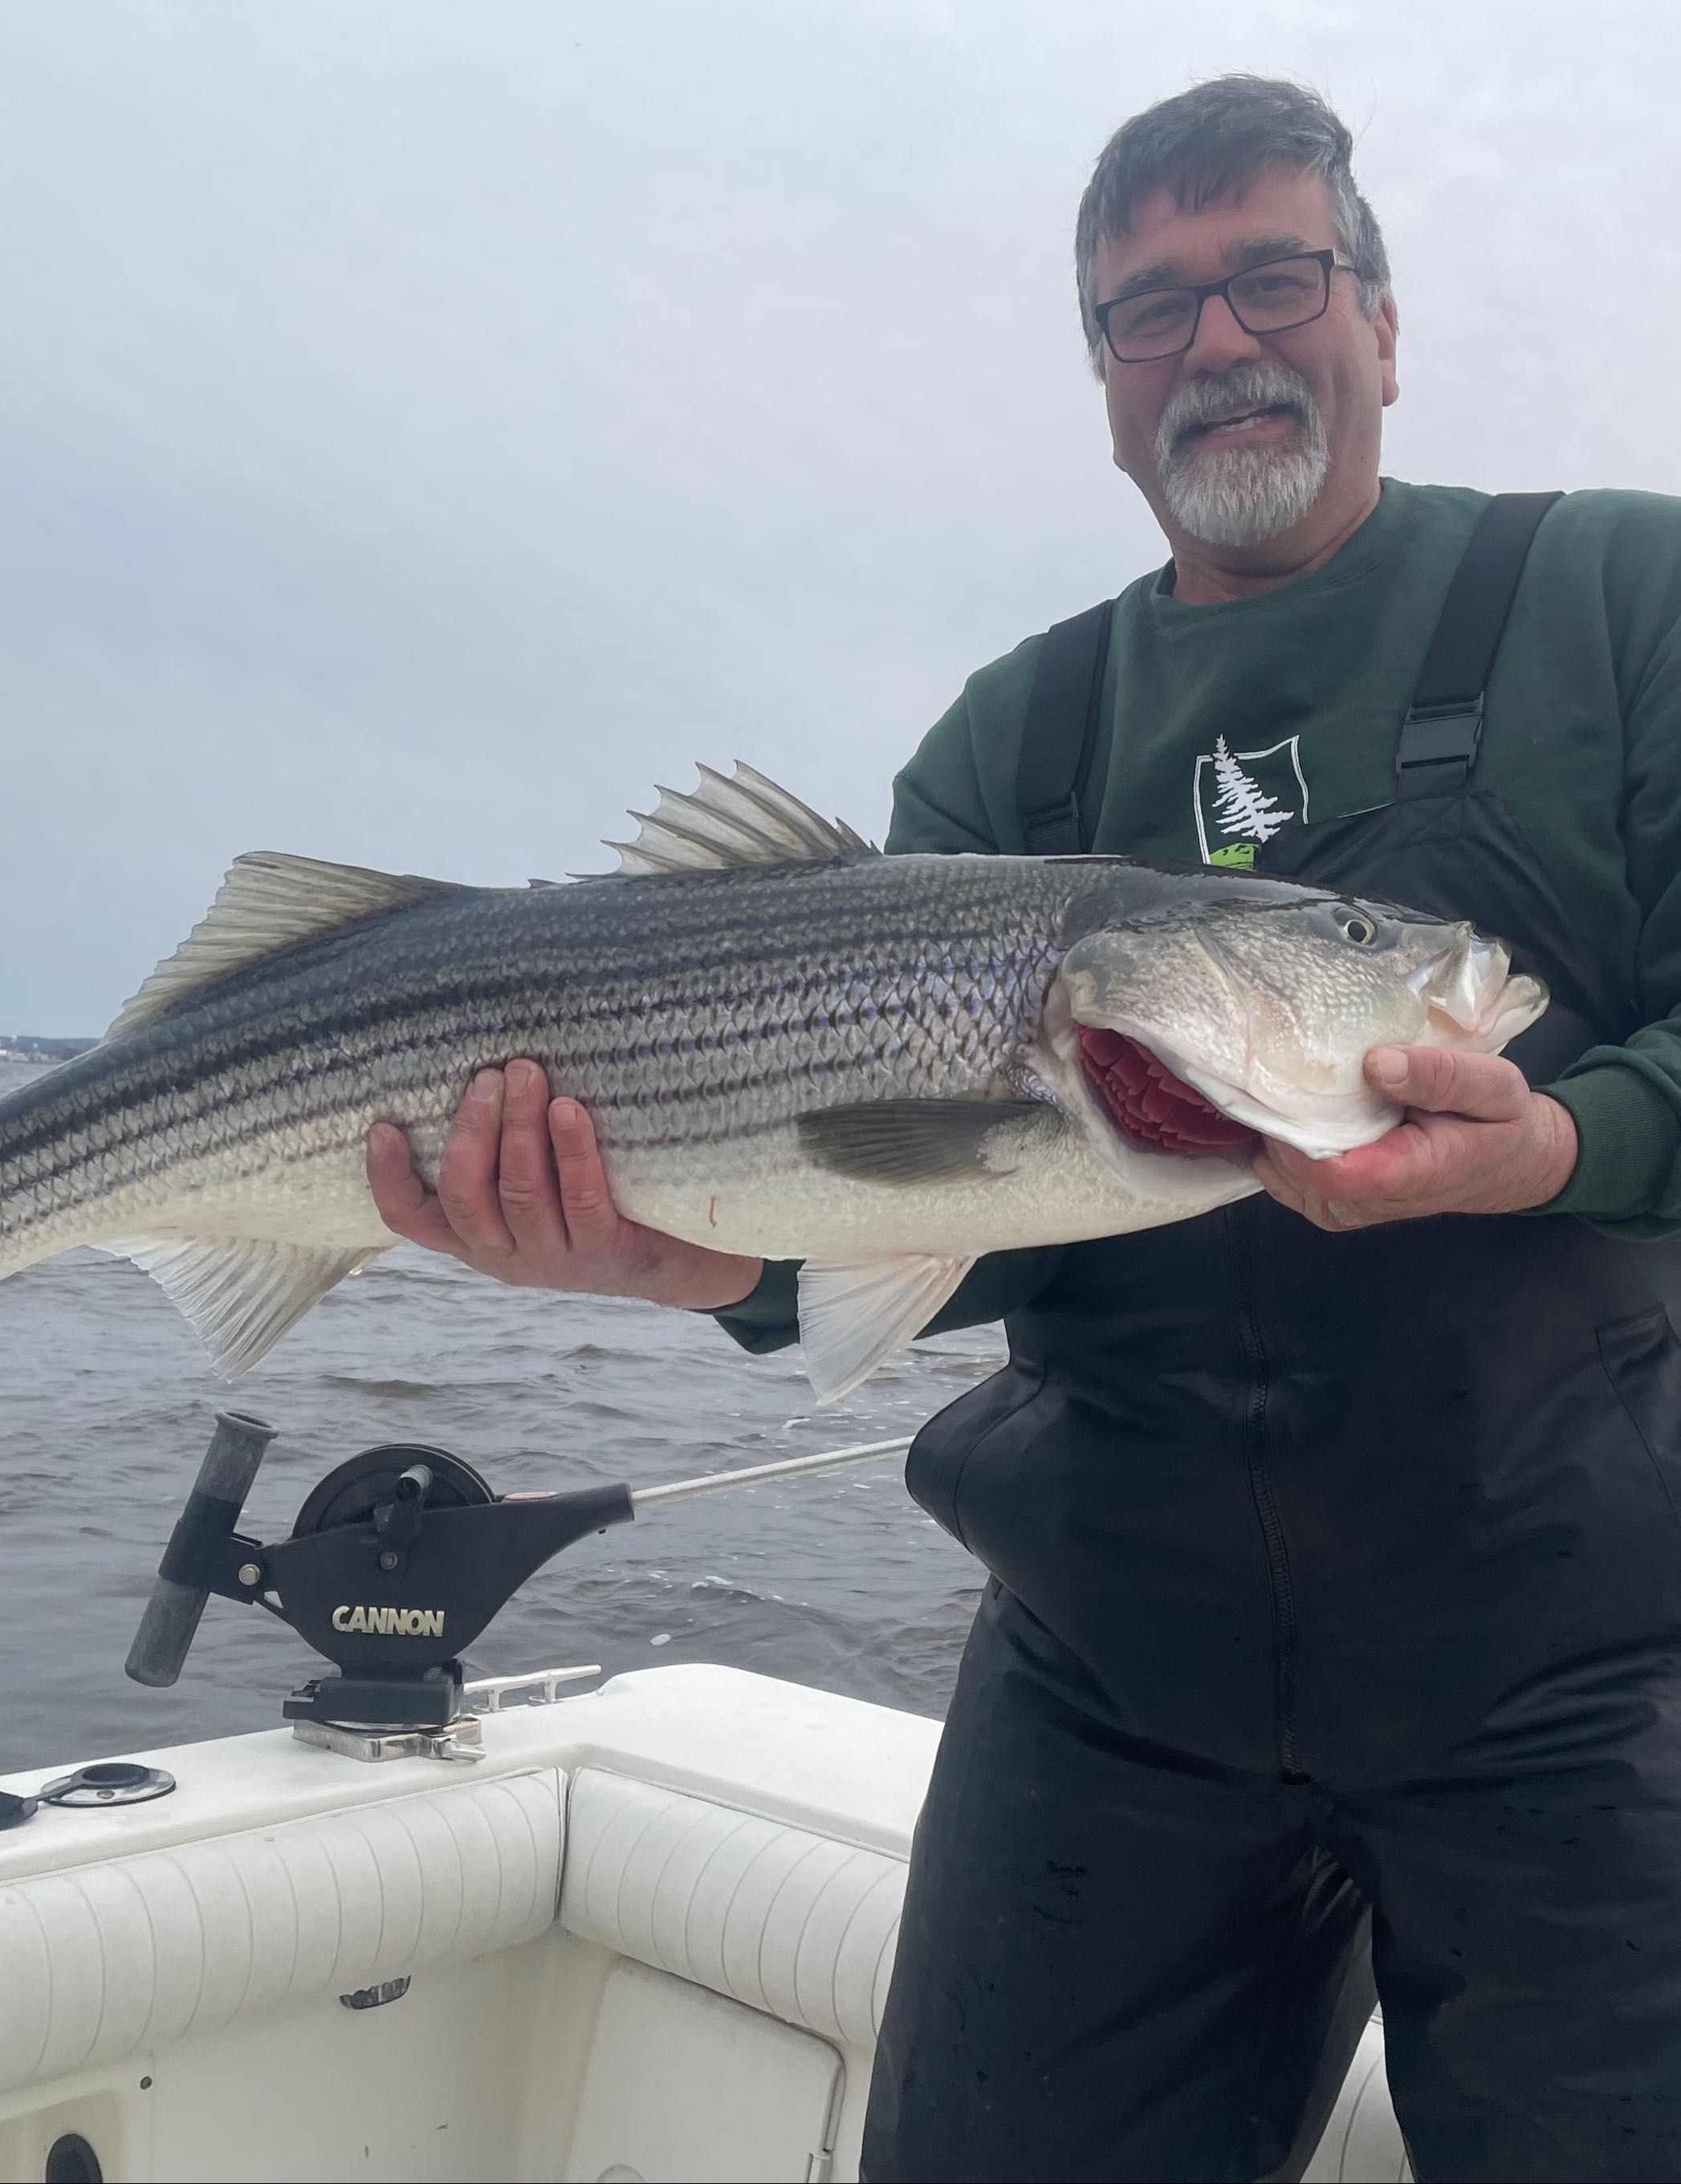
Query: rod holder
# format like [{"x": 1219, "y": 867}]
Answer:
[{"x": 226, "y": 1477}]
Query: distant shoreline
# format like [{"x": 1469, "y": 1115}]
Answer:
[{"x": 20, "y": 1046}]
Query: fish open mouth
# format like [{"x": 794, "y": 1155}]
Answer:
[{"x": 1150, "y": 1104}]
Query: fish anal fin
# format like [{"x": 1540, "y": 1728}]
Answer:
[
  {"x": 240, "y": 1296},
  {"x": 854, "y": 1313},
  {"x": 269, "y": 901},
  {"x": 913, "y": 1141}
]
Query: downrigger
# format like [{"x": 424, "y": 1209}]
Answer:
[{"x": 398, "y": 1559}]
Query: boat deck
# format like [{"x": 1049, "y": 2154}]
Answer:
[{"x": 647, "y": 1934}]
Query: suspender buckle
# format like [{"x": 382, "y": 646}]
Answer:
[
  {"x": 1438, "y": 747},
  {"x": 1054, "y": 831}
]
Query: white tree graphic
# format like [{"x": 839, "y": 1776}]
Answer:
[{"x": 1243, "y": 806}]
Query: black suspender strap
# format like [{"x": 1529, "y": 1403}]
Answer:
[
  {"x": 1061, "y": 732},
  {"x": 1444, "y": 724},
  {"x": 1440, "y": 736}
]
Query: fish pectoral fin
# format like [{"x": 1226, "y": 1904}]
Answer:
[
  {"x": 922, "y": 1140},
  {"x": 240, "y": 1296},
  {"x": 269, "y": 901},
  {"x": 854, "y": 1312}
]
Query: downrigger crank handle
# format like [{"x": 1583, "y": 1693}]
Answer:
[{"x": 225, "y": 1478}]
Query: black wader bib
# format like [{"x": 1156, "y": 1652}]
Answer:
[{"x": 1329, "y": 1572}]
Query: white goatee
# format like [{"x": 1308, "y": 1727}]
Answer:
[{"x": 1237, "y": 496}]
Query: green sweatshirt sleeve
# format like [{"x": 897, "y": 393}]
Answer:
[
  {"x": 768, "y": 1317},
  {"x": 939, "y": 807},
  {"x": 938, "y": 810},
  {"x": 1626, "y": 1099}
]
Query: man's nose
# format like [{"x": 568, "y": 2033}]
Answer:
[{"x": 1220, "y": 341}]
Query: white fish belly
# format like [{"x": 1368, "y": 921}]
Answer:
[
  {"x": 763, "y": 1196},
  {"x": 759, "y": 1195},
  {"x": 309, "y": 1190}
]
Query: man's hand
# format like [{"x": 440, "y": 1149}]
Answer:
[
  {"x": 521, "y": 1195},
  {"x": 1474, "y": 1139}
]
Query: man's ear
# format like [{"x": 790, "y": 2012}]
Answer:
[
  {"x": 1386, "y": 328},
  {"x": 1115, "y": 455}
]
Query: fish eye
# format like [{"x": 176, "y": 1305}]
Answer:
[{"x": 1355, "y": 926}]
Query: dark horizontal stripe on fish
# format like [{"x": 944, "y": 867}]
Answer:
[
  {"x": 121, "y": 1110},
  {"x": 852, "y": 947}
]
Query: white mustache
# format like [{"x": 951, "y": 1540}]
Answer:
[{"x": 1251, "y": 386}]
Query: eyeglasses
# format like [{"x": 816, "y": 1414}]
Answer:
[{"x": 1269, "y": 298}]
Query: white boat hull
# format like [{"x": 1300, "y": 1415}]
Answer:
[{"x": 647, "y": 1935}]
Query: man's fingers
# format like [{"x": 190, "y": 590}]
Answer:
[
  {"x": 1277, "y": 1182},
  {"x": 1444, "y": 1081},
  {"x": 406, "y": 1205},
  {"x": 591, "y": 1217},
  {"x": 466, "y": 1175},
  {"x": 525, "y": 1174},
  {"x": 1401, "y": 1164},
  {"x": 1353, "y": 1189},
  {"x": 1402, "y": 1161},
  {"x": 1386, "y": 1164},
  {"x": 398, "y": 1191}
]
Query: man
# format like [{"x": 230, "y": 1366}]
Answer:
[{"x": 1335, "y": 1552}]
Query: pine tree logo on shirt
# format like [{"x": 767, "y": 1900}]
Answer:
[{"x": 1242, "y": 798}]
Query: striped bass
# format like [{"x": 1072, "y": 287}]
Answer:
[{"x": 789, "y": 1047}]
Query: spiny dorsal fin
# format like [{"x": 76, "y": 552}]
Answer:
[
  {"x": 267, "y": 902},
  {"x": 744, "y": 819}
]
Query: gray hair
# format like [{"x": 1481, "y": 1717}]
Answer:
[{"x": 1211, "y": 142}]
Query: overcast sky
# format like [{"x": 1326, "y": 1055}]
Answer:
[{"x": 424, "y": 425}]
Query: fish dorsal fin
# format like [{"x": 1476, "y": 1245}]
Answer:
[
  {"x": 267, "y": 902},
  {"x": 743, "y": 819}
]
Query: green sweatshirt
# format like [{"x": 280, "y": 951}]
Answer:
[{"x": 1225, "y": 723}]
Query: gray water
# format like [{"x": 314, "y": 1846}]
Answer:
[{"x": 107, "y": 1405}]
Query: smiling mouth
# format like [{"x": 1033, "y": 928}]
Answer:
[{"x": 1212, "y": 428}]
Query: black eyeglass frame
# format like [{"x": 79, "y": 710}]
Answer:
[{"x": 1328, "y": 261}]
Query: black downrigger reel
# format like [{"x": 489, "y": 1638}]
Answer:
[{"x": 398, "y": 1560}]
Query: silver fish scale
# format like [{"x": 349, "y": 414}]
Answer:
[
  {"x": 855, "y": 1004},
  {"x": 697, "y": 1066},
  {"x": 681, "y": 1010}
]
